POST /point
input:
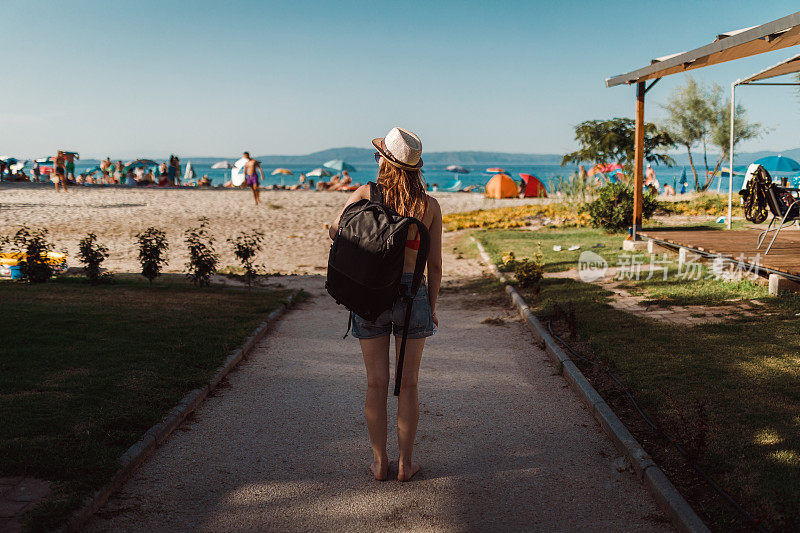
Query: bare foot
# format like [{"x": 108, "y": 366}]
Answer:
[
  {"x": 404, "y": 473},
  {"x": 380, "y": 469}
]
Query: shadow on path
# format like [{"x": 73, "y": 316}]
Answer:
[{"x": 503, "y": 444}]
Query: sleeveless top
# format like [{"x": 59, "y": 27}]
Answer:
[{"x": 414, "y": 243}]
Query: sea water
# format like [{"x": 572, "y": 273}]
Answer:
[{"x": 438, "y": 176}]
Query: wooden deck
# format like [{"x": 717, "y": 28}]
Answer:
[{"x": 783, "y": 258}]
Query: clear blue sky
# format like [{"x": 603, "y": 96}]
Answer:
[{"x": 214, "y": 78}]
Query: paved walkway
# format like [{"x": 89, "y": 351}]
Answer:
[{"x": 503, "y": 443}]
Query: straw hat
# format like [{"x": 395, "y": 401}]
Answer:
[{"x": 401, "y": 148}]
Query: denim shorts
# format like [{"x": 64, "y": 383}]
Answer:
[{"x": 391, "y": 320}]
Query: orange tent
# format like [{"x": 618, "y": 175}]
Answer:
[{"x": 501, "y": 186}]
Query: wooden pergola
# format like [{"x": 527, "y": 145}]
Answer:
[{"x": 781, "y": 33}]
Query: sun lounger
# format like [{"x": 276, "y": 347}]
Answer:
[{"x": 784, "y": 204}]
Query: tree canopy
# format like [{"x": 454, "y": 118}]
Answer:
[
  {"x": 612, "y": 141},
  {"x": 697, "y": 114}
]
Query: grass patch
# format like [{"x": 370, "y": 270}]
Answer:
[
  {"x": 524, "y": 243},
  {"x": 86, "y": 370},
  {"x": 730, "y": 391},
  {"x": 711, "y": 204}
]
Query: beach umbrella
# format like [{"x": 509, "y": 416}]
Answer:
[
  {"x": 46, "y": 159},
  {"x": 222, "y": 164},
  {"x": 778, "y": 163},
  {"x": 495, "y": 170},
  {"x": 457, "y": 169},
  {"x": 282, "y": 171},
  {"x": 142, "y": 163},
  {"x": 318, "y": 173},
  {"x": 8, "y": 160},
  {"x": 341, "y": 166}
]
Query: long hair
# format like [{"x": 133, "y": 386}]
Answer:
[{"x": 403, "y": 190}]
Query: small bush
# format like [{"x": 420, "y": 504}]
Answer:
[
  {"x": 33, "y": 247},
  {"x": 508, "y": 262},
  {"x": 153, "y": 248},
  {"x": 92, "y": 254},
  {"x": 245, "y": 248},
  {"x": 613, "y": 208},
  {"x": 528, "y": 272},
  {"x": 203, "y": 260}
]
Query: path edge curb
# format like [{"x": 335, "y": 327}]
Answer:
[
  {"x": 662, "y": 490},
  {"x": 134, "y": 456}
]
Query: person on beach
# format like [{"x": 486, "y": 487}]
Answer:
[
  {"x": 118, "y": 168},
  {"x": 252, "y": 169},
  {"x": 650, "y": 179},
  {"x": 177, "y": 180},
  {"x": 35, "y": 172},
  {"x": 70, "y": 166},
  {"x": 401, "y": 183},
  {"x": 105, "y": 164},
  {"x": 59, "y": 168},
  {"x": 171, "y": 170}
]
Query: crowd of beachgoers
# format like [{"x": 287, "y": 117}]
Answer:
[{"x": 60, "y": 170}]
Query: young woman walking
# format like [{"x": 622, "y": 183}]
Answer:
[{"x": 400, "y": 180}]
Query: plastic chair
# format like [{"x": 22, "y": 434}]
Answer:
[{"x": 784, "y": 206}]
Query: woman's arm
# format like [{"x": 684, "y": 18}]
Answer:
[
  {"x": 435, "y": 257},
  {"x": 356, "y": 195}
]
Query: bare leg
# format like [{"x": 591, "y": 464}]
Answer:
[
  {"x": 64, "y": 183},
  {"x": 408, "y": 407},
  {"x": 255, "y": 193},
  {"x": 376, "y": 360}
]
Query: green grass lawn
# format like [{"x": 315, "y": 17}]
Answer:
[
  {"x": 731, "y": 391},
  {"x": 86, "y": 370},
  {"x": 524, "y": 244}
]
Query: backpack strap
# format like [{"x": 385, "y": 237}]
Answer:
[
  {"x": 419, "y": 269},
  {"x": 375, "y": 193}
]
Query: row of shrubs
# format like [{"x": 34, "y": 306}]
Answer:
[
  {"x": 611, "y": 209},
  {"x": 33, "y": 249}
]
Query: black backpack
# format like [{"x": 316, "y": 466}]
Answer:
[{"x": 366, "y": 262}]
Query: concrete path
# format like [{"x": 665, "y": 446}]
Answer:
[{"x": 503, "y": 443}]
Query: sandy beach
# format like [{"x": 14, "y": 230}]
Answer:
[{"x": 292, "y": 221}]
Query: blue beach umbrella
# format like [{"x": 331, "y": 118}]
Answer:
[
  {"x": 341, "y": 166},
  {"x": 778, "y": 163}
]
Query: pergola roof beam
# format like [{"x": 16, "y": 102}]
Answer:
[
  {"x": 746, "y": 42},
  {"x": 787, "y": 66}
]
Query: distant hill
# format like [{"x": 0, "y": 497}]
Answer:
[
  {"x": 362, "y": 156},
  {"x": 742, "y": 158},
  {"x": 365, "y": 155}
]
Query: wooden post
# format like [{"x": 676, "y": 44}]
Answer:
[{"x": 638, "y": 163}]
